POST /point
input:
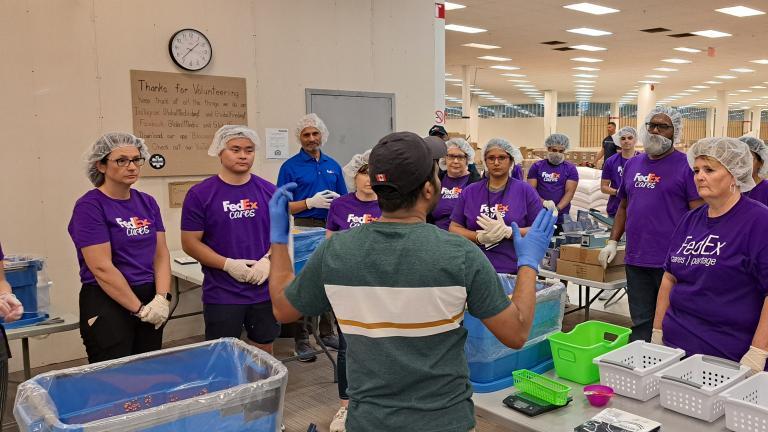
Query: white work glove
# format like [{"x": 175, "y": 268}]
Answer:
[
  {"x": 608, "y": 253},
  {"x": 754, "y": 359},
  {"x": 657, "y": 337},
  {"x": 322, "y": 199},
  {"x": 550, "y": 205},
  {"x": 238, "y": 268},
  {"x": 155, "y": 312},
  {"x": 259, "y": 271},
  {"x": 495, "y": 229},
  {"x": 11, "y": 308}
]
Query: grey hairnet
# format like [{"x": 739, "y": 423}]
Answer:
[
  {"x": 733, "y": 154},
  {"x": 351, "y": 168},
  {"x": 104, "y": 146},
  {"x": 312, "y": 120},
  {"x": 674, "y": 116},
  {"x": 463, "y": 145},
  {"x": 625, "y": 131},
  {"x": 229, "y": 132},
  {"x": 558, "y": 140},
  {"x": 758, "y": 147},
  {"x": 503, "y": 144}
]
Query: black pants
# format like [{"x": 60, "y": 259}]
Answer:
[
  {"x": 642, "y": 290},
  {"x": 110, "y": 331}
]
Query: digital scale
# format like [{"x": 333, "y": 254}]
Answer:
[{"x": 531, "y": 405}]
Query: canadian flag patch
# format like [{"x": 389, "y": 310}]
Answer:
[{"x": 381, "y": 177}]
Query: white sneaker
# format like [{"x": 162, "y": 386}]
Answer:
[{"x": 338, "y": 424}]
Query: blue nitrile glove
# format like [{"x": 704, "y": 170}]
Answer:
[
  {"x": 531, "y": 248},
  {"x": 279, "y": 217}
]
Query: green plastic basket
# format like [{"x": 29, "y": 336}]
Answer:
[
  {"x": 574, "y": 351},
  {"x": 541, "y": 387}
]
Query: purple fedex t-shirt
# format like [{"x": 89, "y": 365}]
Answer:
[
  {"x": 613, "y": 169},
  {"x": 551, "y": 179},
  {"x": 130, "y": 227},
  {"x": 721, "y": 267},
  {"x": 235, "y": 224},
  {"x": 759, "y": 193},
  {"x": 517, "y": 202},
  {"x": 348, "y": 212},
  {"x": 449, "y": 195},
  {"x": 658, "y": 193}
]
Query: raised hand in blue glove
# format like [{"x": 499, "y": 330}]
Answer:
[
  {"x": 530, "y": 249},
  {"x": 279, "y": 217}
]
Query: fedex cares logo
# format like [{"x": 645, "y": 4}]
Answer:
[
  {"x": 354, "y": 220},
  {"x": 451, "y": 193},
  {"x": 550, "y": 177},
  {"x": 241, "y": 209},
  {"x": 134, "y": 226},
  {"x": 704, "y": 252},
  {"x": 492, "y": 211},
  {"x": 648, "y": 181}
]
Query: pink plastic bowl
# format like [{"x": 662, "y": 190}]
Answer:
[{"x": 602, "y": 394}]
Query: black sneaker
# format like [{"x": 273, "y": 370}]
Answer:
[
  {"x": 305, "y": 351},
  {"x": 331, "y": 341}
]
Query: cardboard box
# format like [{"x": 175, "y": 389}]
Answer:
[
  {"x": 576, "y": 253},
  {"x": 590, "y": 272}
]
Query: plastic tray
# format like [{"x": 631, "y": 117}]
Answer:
[
  {"x": 541, "y": 387},
  {"x": 27, "y": 319},
  {"x": 692, "y": 386},
  {"x": 629, "y": 369},
  {"x": 574, "y": 352},
  {"x": 746, "y": 405}
]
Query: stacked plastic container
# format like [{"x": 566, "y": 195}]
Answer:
[
  {"x": 575, "y": 351},
  {"x": 746, "y": 405},
  {"x": 221, "y": 385},
  {"x": 29, "y": 283},
  {"x": 491, "y": 363}
]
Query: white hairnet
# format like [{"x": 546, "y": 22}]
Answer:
[
  {"x": 463, "y": 145},
  {"x": 625, "y": 131},
  {"x": 104, "y": 146},
  {"x": 351, "y": 168},
  {"x": 733, "y": 154},
  {"x": 503, "y": 144},
  {"x": 229, "y": 132},
  {"x": 674, "y": 116},
  {"x": 558, "y": 140},
  {"x": 312, "y": 120},
  {"x": 758, "y": 147}
]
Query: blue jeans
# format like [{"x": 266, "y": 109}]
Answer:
[
  {"x": 642, "y": 289},
  {"x": 341, "y": 363}
]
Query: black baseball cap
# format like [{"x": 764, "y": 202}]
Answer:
[
  {"x": 403, "y": 161},
  {"x": 437, "y": 131},
  {"x": 436, "y": 147}
]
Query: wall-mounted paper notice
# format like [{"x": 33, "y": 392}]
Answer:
[{"x": 277, "y": 143}]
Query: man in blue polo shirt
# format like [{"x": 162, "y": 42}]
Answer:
[{"x": 320, "y": 181}]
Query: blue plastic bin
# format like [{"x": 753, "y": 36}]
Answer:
[
  {"x": 22, "y": 276},
  {"x": 491, "y": 363},
  {"x": 221, "y": 385},
  {"x": 305, "y": 241}
]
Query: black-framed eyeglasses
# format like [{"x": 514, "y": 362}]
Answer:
[
  {"x": 661, "y": 127},
  {"x": 499, "y": 159},
  {"x": 124, "y": 162},
  {"x": 451, "y": 157}
]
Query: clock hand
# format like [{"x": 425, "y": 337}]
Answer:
[{"x": 190, "y": 50}]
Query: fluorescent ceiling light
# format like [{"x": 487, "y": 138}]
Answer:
[
  {"x": 504, "y": 67},
  {"x": 586, "y": 68},
  {"x": 761, "y": 61},
  {"x": 740, "y": 11},
  {"x": 453, "y": 6},
  {"x": 713, "y": 82},
  {"x": 518, "y": 81},
  {"x": 733, "y": 94},
  {"x": 700, "y": 87},
  {"x": 464, "y": 29},
  {"x": 656, "y": 76},
  {"x": 585, "y": 76},
  {"x": 755, "y": 99},
  {"x": 584, "y": 82},
  {"x": 711, "y": 33},
  {"x": 742, "y": 70},
  {"x": 588, "y": 48},
  {"x": 688, "y": 50},
  {"x": 591, "y": 8},
  {"x": 457, "y": 85},
  {"x": 665, "y": 69},
  {"x": 514, "y": 75},
  {"x": 583, "y": 86},
  {"x": 744, "y": 91},
  {"x": 589, "y": 31},
  {"x": 525, "y": 85},
  {"x": 494, "y": 58},
  {"x": 453, "y": 80},
  {"x": 481, "y": 46},
  {"x": 757, "y": 87},
  {"x": 586, "y": 59},
  {"x": 676, "y": 61},
  {"x": 648, "y": 82},
  {"x": 725, "y": 76},
  {"x": 684, "y": 94}
]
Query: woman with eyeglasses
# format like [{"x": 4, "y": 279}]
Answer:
[
  {"x": 555, "y": 179},
  {"x": 125, "y": 267},
  {"x": 455, "y": 175},
  {"x": 759, "y": 169},
  {"x": 485, "y": 210}
]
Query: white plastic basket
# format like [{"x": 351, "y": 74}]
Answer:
[
  {"x": 693, "y": 386},
  {"x": 630, "y": 369},
  {"x": 746, "y": 405}
]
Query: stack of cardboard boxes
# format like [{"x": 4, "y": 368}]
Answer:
[
  {"x": 579, "y": 157},
  {"x": 581, "y": 262}
]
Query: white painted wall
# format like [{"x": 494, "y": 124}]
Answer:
[{"x": 65, "y": 81}]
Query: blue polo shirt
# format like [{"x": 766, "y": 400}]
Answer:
[{"x": 312, "y": 176}]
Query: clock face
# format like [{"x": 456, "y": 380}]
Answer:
[{"x": 190, "y": 49}]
